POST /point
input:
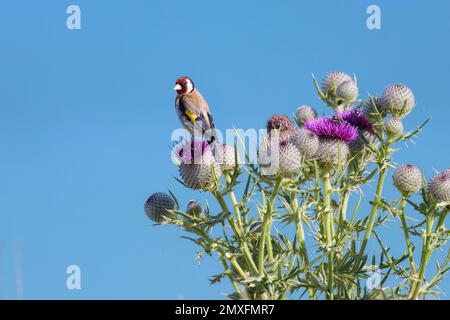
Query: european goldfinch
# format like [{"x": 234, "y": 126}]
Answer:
[{"x": 192, "y": 109}]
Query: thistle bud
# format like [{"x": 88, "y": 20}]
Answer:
[
  {"x": 332, "y": 152},
  {"x": 407, "y": 179},
  {"x": 439, "y": 186},
  {"x": 306, "y": 142},
  {"x": 290, "y": 159},
  {"x": 194, "y": 208},
  {"x": 225, "y": 156},
  {"x": 394, "y": 127},
  {"x": 157, "y": 205},
  {"x": 333, "y": 80},
  {"x": 347, "y": 92},
  {"x": 303, "y": 114},
  {"x": 279, "y": 158},
  {"x": 372, "y": 108},
  {"x": 399, "y": 100}
]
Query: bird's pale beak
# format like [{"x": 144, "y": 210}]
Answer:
[{"x": 177, "y": 87}]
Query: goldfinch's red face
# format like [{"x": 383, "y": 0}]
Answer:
[{"x": 183, "y": 86}]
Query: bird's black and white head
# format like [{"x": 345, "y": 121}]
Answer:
[{"x": 183, "y": 86}]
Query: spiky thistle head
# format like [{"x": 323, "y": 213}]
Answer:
[
  {"x": 158, "y": 205},
  {"x": 373, "y": 109},
  {"x": 394, "y": 127},
  {"x": 407, "y": 179},
  {"x": 279, "y": 158},
  {"x": 194, "y": 208},
  {"x": 347, "y": 92},
  {"x": 226, "y": 157},
  {"x": 398, "y": 99},
  {"x": 281, "y": 126},
  {"x": 290, "y": 159},
  {"x": 306, "y": 142},
  {"x": 439, "y": 186},
  {"x": 333, "y": 80},
  {"x": 303, "y": 114},
  {"x": 332, "y": 152},
  {"x": 198, "y": 166},
  {"x": 335, "y": 129}
]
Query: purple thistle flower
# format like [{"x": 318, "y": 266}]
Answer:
[
  {"x": 192, "y": 151},
  {"x": 331, "y": 129},
  {"x": 355, "y": 118}
]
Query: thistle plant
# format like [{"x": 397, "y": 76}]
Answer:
[{"x": 307, "y": 230}]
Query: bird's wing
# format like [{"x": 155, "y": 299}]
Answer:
[
  {"x": 204, "y": 108},
  {"x": 211, "y": 121},
  {"x": 186, "y": 119},
  {"x": 193, "y": 111}
]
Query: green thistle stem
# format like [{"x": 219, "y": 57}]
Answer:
[
  {"x": 346, "y": 195},
  {"x": 442, "y": 218},
  {"x": 302, "y": 249},
  {"x": 229, "y": 274},
  {"x": 235, "y": 206},
  {"x": 426, "y": 253},
  {"x": 266, "y": 227},
  {"x": 223, "y": 258},
  {"x": 328, "y": 230},
  {"x": 235, "y": 264},
  {"x": 269, "y": 242},
  {"x": 373, "y": 212},
  {"x": 299, "y": 226},
  {"x": 244, "y": 248},
  {"x": 344, "y": 205},
  {"x": 406, "y": 234}
]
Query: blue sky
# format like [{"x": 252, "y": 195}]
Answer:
[{"x": 86, "y": 117}]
